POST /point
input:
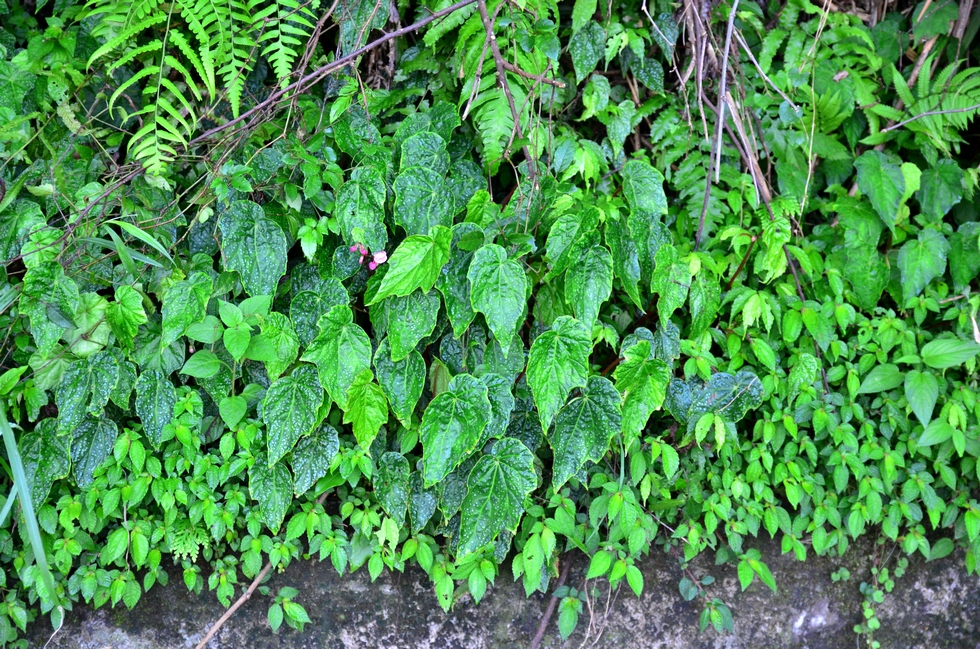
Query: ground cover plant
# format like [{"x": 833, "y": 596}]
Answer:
[{"x": 475, "y": 285}]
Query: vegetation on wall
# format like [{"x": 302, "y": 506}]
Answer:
[{"x": 470, "y": 286}]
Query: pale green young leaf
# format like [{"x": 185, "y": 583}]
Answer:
[
  {"x": 340, "y": 352},
  {"x": 415, "y": 264},
  {"x": 366, "y": 409}
]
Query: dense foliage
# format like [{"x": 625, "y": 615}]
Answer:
[{"x": 290, "y": 280}]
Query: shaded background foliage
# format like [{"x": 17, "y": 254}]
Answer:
[{"x": 358, "y": 282}]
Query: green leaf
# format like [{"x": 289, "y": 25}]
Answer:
[
  {"x": 453, "y": 282},
  {"x": 922, "y": 391},
  {"x": 922, "y": 260},
  {"x": 501, "y": 395},
  {"x": 941, "y": 188},
  {"x": 291, "y": 409},
  {"x": 272, "y": 487},
  {"x": 937, "y": 432},
  {"x": 568, "y": 237},
  {"x": 254, "y": 245},
  {"x": 948, "y": 352},
  {"x": 731, "y": 396},
  {"x": 452, "y": 426},
  {"x": 233, "y": 410},
  {"x": 366, "y": 409},
  {"x": 881, "y": 378},
  {"x": 582, "y": 13},
  {"x": 391, "y": 485},
  {"x": 866, "y": 270},
  {"x": 312, "y": 456},
  {"x": 410, "y": 319},
  {"x": 202, "y": 365},
  {"x": 558, "y": 361},
  {"x": 642, "y": 381},
  {"x": 91, "y": 444},
  {"x": 45, "y": 460},
  {"x": 126, "y": 314},
  {"x": 496, "y": 489},
  {"x": 278, "y": 333},
  {"x": 626, "y": 260},
  {"x": 360, "y": 209},
  {"x": 964, "y": 255},
  {"x": 643, "y": 188},
  {"x": 401, "y": 381},
  {"x": 427, "y": 150},
  {"x": 49, "y": 299},
  {"x": 704, "y": 299},
  {"x": 819, "y": 326},
  {"x": 340, "y": 352},
  {"x": 415, "y": 264},
  {"x": 586, "y": 47},
  {"x": 584, "y": 428},
  {"x": 422, "y": 201},
  {"x": 588, "y": 284},
  {"x": 155, "y": 401},
  {"x": 185, "y": 304},
  {"x": 84, "y": 388},
  {"x": 671, "y": 280},
  {"x": 499, "y": 292},
  {"x": 307, "y": 307},
  {"x": 881, "y": 179}
]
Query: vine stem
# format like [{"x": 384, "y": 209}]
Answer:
[
  {"x": 548, "y": 612},
  {"x": 234, "y": 607}
]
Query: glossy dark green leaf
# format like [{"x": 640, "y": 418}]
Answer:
[
  {"x": 360, "y": 209},
  {"x": 46, "y": 459},
  {"x": 185, "y": 304},
  {"x": 422, "y": 200},
  {"x": 496, "y": 489},
  {"x": 410, "y": 319},
  {"x": 452, "y": 426},
  {"x": 588, "y": 284},
  {"x": 340, "y": 352},
  {"x": 415, "y": 264},
  {"x": 568, "y": 236},
  {"x": 500, "y": 393},
  {"x": 366, "y": 409},
  {"x": 584, "y": 427},
  {"x": 964, "y": 254},
  {"x": 254, "y": 245},
  {"x": 16, "y": 223},
  {"x": 422, "y": 502},
  {"x": 401, "y": 381},
  {"x": 558, "y": 361},
  {"x": 453, "y": 282},
  {"x": 921, "y": 261},
  {"x": 426, "y": 150},
  {"x": 312, "y": 456},
  {"x": 84, "y": 389},
  {"x": 626, "y": 260},
  {"x": 704, "y": 300},
  {"x": 586, "y": 47},
  {"x": 91, "y": 444},
  {"x": 290, "y": 409},
  {"x": 642, "y": 381},
  {"x": 731, "y": 396},
  {"x": 391, "y": 485},
  {"x": 47, "y": 291},
  {"x": 880, "y": 178},
  {"x": 307, "y": 307},
  {"x": 671, "y": 280},
  {"x": 921, "y": 391},
  {"x": 499, "y": 288},
  {"x": 155, "y": 401},
  {"x": 272, "y": 487}
]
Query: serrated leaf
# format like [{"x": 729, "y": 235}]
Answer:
[
  {"x": 568, "y": 236},
  {"x": 588, "y": 284},
  {"x": 499, "y": 288},
  {"x": 360, "y": 209},
  {"x": 422, "y": 200},
  {"x": 45, "y": 460},
  {"x": 155, "y": 401},
  {"x": 85, "y": 388},
  {"x": 254, "y": 245},
  {"x": 948, "y": 352},
  {"x": 401, "y": 381},
  {"x": 584, "y": 427},
  {"x": 271, "y": 486},
  {"x": 410, "y": 319},
  {"x": 881, "y": 180},
  {"x": 500, "y": 393},
  {"x": 671, "y": 280},
  {"x": 586, "y": 47},
  {"x": 427, "y": 150},
  {"x": 496, "y": 489},
  {"x": 452, "y": 426},
  {"x": 415, "y": 264},
  {"x": 922, "y": 391},
  {"x": 818, "y": 325},
  {"x": 937, "y": 432},
  {"x": 558, "y": 361},
  {"x": 185, "y": 304},
  {"x": 391, "y": 485},
  {"x": 278, "y": 334},
  {"x": 126, "y": 314},
  {"x": 626, "y": 260},
  {"x": 340, "y": 352},
  {"x": 642, "y": 381},
  {"x": 731, "y": 396},
  {"x": 367, "y": 408},
  {"x": 964, "y": 254},
  {"x": 307, "y": 307},
  {"x": 291, "y": 409},
  {"x": 91, "y": 444},
  {"x": 16, "y": 223},
  {"x": 312, "y": 456},
  {"x": 643, "y": 188},
  {"x": 453, "y": 282},
  {"x": 922, "y": 260},
  {"x": 704, "y": 300}
]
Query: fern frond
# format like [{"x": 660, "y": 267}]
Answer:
[
  {"x": 139, "y": 76},
  {"x": 129, "y": 56},
  {"x": 125, "y": 36}
]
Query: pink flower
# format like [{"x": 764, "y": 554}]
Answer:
[
  {"x": 380, "y": 257},
  {"x": 372, "y": 265},
  {"x": 353, "y": 248}
]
